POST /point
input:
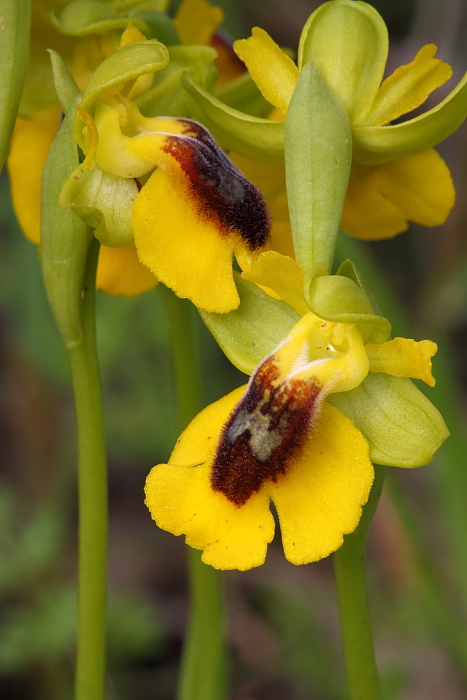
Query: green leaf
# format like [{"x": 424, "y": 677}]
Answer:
[
  {"x": 380, "y": 144},
  {"x": 15, "y": 26},
  {"x": 339, "y": 299},
  {"x": 82, "y": 17},
  {"x": 251, "y": 332},
  {"x": 259, "y": 139},
  {"x": 168, "y": 97},
  {"x": 348, "y": 42},
  {"x": 318, "y": 156},
  {"x": 103, "y": 202},
  {"x": 401, "y": 425},
  {"x": 65, "y": 86},
  {"x": 64, "y": 237}
]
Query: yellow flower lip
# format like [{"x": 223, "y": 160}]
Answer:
[
  {"x": 263, "y": 433},
  {"x": 219, "y": 191},
  {"x": 282, "y": 402}
]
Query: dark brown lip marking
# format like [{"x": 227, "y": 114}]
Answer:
[
  {"x": 221, "y": 192},
  {"x": 264, "y": 431}
]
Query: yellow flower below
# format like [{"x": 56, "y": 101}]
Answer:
[{"x": 318, "y": 500}]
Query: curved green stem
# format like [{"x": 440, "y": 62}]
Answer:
[
  {"x": 92, "y": 484},
  {"x": 203, "y": 674},
  {"x": 357, "y": 638}
]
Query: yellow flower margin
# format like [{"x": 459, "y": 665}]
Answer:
[
  {"x": 320, "y": 495},
  {"x": 381, "y": 199}
]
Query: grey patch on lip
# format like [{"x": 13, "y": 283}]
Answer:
[{"x": 263, "y": 441}]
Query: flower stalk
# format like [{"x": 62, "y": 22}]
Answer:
[
  {"x": 357, "y": 638},
  {"x": 92, "y": 482}
]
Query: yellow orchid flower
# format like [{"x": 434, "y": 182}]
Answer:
[
  {"x": 394, "y": 179},
  {"x": 280, "y": 439},
  {"x": 119, "y": 270},
  {"x": 192, "y": 212}
]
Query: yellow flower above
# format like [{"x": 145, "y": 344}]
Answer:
[
  {"x": 278, "y": 439},
  {"x": 194, "y": 208},
  {"x": 387, "y": 189}
]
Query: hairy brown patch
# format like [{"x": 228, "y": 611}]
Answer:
[
  {"x": 222, "y": 194},
  {"x": 263, "y": 433}
]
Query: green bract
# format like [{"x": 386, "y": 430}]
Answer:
[
  {"x": 64, "y": 238},
  {"x": 318, "y": 155}
]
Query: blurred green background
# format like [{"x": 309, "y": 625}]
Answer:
[{"x": 283, "y": 623}]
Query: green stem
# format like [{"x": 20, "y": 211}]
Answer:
[
  {"x": 203, "y": 673},
  {"x": 357, "y": 638},
  {"x": 92, "y": 485}
]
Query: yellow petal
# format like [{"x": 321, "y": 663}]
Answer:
[
  {"x": 130, "y": 35},
  {"x": 281, "y": 275},
  {"x": 367, "y": 213},
  {"x": 403, "y": 357},
  {"x": 30, "y": 145},
  {"x": 320, "y": 499},
  {"x": 409, "y": 86},
  {"x": 181, "y": 499},
  {"x": 185, "y": 251},
  {"x": 272, "y": 70},
  {"x": 420, "y": 186},
  {"x": 120, "y": 273},
  {"x": 197, "y": 20}
]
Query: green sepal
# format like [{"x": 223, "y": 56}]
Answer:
[
  {"x": 83, "y": 17},
  {"x": 103, "y": 202},
  {"x": 259, "y": 139},
  {"x": 380, "y": 144},
  {"x": 243, "y": 94},
  {"x": 401, "y": 425},
  {"x": 65, "y": 87},
  {"x": 348, "y": 42},
  {"x": 340, "y": 299},
  {"x": 167, "y": 97},
  {"x": 161, "y": 26},
  {"x": 15, "y": 23},
  {"x": 64, "y": 237},
  {"x": 251, "y": 332},
  {"x": 318, "y": 156},
  {"x": 128, "y": 63}
]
